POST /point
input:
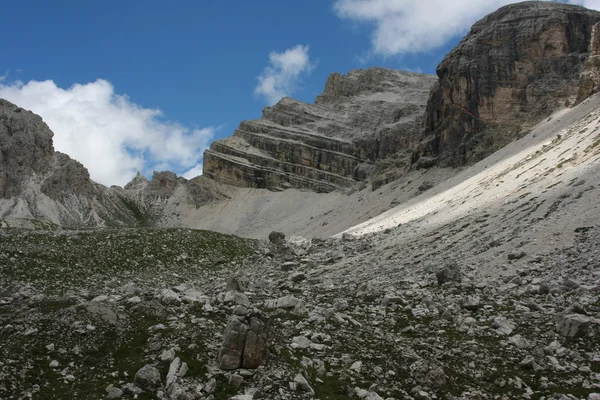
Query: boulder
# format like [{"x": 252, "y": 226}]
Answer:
[
  {"x": 147, "y": 378},
  {"x": 573, "y": 325},
  {"x": 244, "y": 344},
  {"x": 449, "y": 273}
]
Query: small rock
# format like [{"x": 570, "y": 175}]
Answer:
[
  {"x": 297, "y": 277},
  {"x": 114, "y": 393},
  {"x": 147, "y": 377},
  {"x": 277, "y": 238},
  {"x": 302, "y": 384},
  {"x": 573, "y": 325},
  {"x": 167, "y": 356},
  {"x": 211, "y": 385},
  {"x": 169, "y": 297},
  {"x": 236, "y": 380},
  {"x": 356, "y": 366},
  {"x": 449, "y": 273},
  {"x": 131, "y": 389}
]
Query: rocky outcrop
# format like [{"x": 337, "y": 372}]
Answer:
[
  {"x": 67, "y": 176},
  {"x": 25, "y": 149},
  {"x": 513, "y": 69},
  {"x": 39, "y": 184},
  {"x": 589, "y": 82},
  {"x": 359, "y": 119},
  {"x": 244, "y": 344}
]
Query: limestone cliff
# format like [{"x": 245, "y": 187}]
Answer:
[
  {"x": 39, "y": 184},
  {"x": 333, "y": 144},
  {"x": 513, "y": 69}
]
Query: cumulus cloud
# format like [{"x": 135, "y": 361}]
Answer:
[
  {"x": 107, "y": 132},
  {"x": 409, "y": 26},
  {"x": 284, "y": 73},
  {"x": 193, "y": 172}
]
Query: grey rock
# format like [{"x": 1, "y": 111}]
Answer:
[
  {"x": 297, "y": 277},
  {"x": 277, "y": 238},
  {"x": 177, "y": 369},
  {"x": 255, "y": 347},
  {"x": 211, "y": 386},
  {"x": 449, "y": 273},
  {"x": 519, "y": 341},
  {"x": 147, "y": 377},
  {"x": 240, "y": 310},
  {"x": 301, "y": 342},
  {"x": 237, "y": 284},
  {"x": 176, "y": 392},
  {"x": 428, "y": 374},
  {"x": 234, "y": 340},
  {"x": 573, "y": 325},
  {"x": 236, "y": 380},
  {"x": 235, "y": 297},
  {"x": 131, "y": 389},
  {"x": 104, "y": 311},
  {"x": 167, "y": 356},
  {"x": 25, "y": 148},
  {"x": 286, "y": 302},
  {"x": 114, "y": 393},
  {"x": 302, "y": 384},
  {"x": 169, "y": 297},
  {"x": 373, "y": 396},
  {"x": 472, "y": 303},
  {"x": 503, "y": 325},
  {"x": 244, "y": 344}
]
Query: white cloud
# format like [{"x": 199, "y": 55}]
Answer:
[
  {"x": 591, "y": 4},
  {"x": 108, "y": 133},
  {"x": 409, "y": 26},
  {"x": 193, "y": 172},
  {"x": 282, "y": 77},
  {"x": 3, "y": 77}
]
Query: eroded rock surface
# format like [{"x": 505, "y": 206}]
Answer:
[
  {"x": 513, "y": 69},
  {"x": 244, "y": 344},
  {"x": 359, "y": 118}
]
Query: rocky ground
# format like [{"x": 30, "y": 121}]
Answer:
[{"x": 183, "y": 314}]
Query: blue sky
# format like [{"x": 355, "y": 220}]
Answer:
[{"x": 198, "y": 62}]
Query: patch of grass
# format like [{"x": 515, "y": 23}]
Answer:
[
  {"x": 78, "y": 259},
  {"x": 141, "y": 216}
]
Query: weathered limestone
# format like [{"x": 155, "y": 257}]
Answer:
[
  {"x": 244, "y": 344},
  {"x": 513, "y": 69},
  {"x": 360, "y": 118}
]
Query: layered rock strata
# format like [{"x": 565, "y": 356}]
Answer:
[
  {"x": 514, "y": 68},
  {"x": 333, "y": 144}
]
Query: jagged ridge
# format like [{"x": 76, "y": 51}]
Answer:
[{"x": 358, "y": 119}]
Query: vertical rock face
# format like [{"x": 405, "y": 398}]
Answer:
[
  {"x": 358, "y": 119},
  {"x": 244, "y": 344},
  {"x": 38, "y": 183},
  {"x": 589, "y": 82},
  {"x": 67, "y": 176},
  {"x": 25, "y": 149},
  {"x": 514, "y": 68}
]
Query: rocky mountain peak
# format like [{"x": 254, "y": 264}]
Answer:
[
  {"x": 25, "y": 147},
  {"x": 360, "y": 118},
  {"x": 513, "y": 69},
  {"x": 365, "y": 81},
  {"x": 138, "y": 182}
]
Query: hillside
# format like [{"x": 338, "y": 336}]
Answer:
[{"x": 418, "y": 239}]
